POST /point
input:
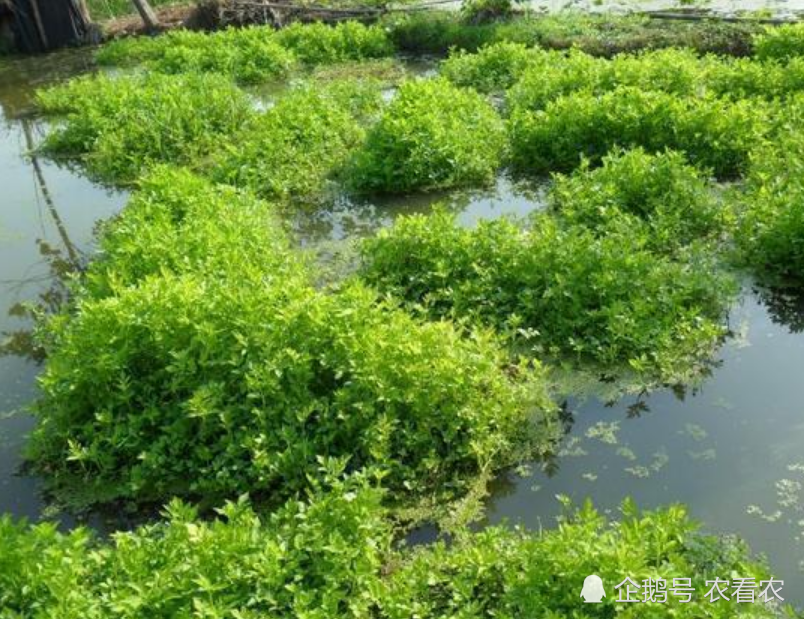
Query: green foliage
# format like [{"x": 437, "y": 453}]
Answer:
[
  {"x": 598, "y": 34},
  {"x": 110, "y": 9},
  {"x": 494, "y": 68},
  {"x": 604, "y": 299},
  {"x": 220, "y": 370},
  {"x": 771, "y": 232},
  {"x": 780, "y": 43},
  {"x": 319, "y": 559},
  {"x": 662, "y": 191},
  {"x": 332, "y": 557},
  {"x": 711, "y": 132},
  {"x": 121, "y": 126},
  {"x": 319, "y": 43},
  {"x": 290, "y": 151},
  {"x": 433, "y": 135},
  {"x": 248, "y": 55}
]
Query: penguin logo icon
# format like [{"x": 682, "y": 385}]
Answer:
[{"x": 593, "y": 591}]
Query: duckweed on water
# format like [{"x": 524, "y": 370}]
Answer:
[
  {"x": 606, "y": 299},
  {"x": 121, "y": 126},
  {"x": 208, "y": 375},
  {"x": 433, "y": 135}
]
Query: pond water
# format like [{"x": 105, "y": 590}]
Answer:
[{"x": 732, "y": 448}]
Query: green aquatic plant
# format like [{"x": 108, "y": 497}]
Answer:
[
  {"x": 248, "y": 55},
  {"x": 663, "y": 191},
  {"x": 493, "y": 68},
  {"x": 252, "y": 54},
  {"x": 332, "y": 555},
  {"x": 220, "y": 370},
  {"x": 292, "y": 150},
  {"x": 432, "y": 135},
  {"x": 770, "y": 235},
  {"x": 564, "y": 291},
  {"x": 121, "y": 126},
  {"x": 780, "y": 43},
  {"x": 319, "y": 43},
  {"x": 710, "y": 132}
]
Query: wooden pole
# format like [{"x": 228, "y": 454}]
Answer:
[{"x": 147, "y": 13}]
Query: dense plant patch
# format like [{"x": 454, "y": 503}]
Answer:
[
  {"x": 220, "y": 370},
  {"x": 711, "y": 132},
  {"x": 601, "y": 35},
  {"x": 663, "y": 191},
  {"x": 566, "y": 291},
  {"x": 306, "y": 139},
  {"x": 781, "y": 43},
  {"x": 433, "y": 135},
  {"x": 249, "y": 55},
  {"x": 121, "y": 126},
  {"x": 333, "y": 557}
]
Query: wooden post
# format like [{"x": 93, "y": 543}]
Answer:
[{"x": 148, "y": 14}]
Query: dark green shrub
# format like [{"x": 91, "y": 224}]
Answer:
[
  {"x": 433, "y": 135},
  {"x": 712, "y": 133},
  {"x": 332, "y": 556},
  {"x": 319, "y": 43},
  {"x": 293, "y": 149},
  {"x": 662, "y": 190},
  {"x": 571, "y": 293},
  {"x": 121, "y": 126},
  {"x": 780, "y": 42},
  {"x": 220, "y": 370}
]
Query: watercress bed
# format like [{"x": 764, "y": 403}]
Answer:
[{"x": 307, "y": 421}]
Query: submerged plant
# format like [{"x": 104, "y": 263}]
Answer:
[
  {"x": 564, "y": 291},
  {"x": 433, "y": 135},
  {"x": 121, "y": 126}
]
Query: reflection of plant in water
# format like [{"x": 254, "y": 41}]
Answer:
[
  {"x": 21, "y": 342},
  {"x": 786, "y": 307}
]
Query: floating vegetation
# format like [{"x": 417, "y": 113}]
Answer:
[
  {"x": 627, "y": 453},
  {"x": 121, "y": 126},
  {"x": 571, "y": 448},
  {"x": 605, "y": 432},
  {"x": 695, "y": 432},
  {"x": 432, "y": 136},
  {"x": 705, "y": 455},
  {"x": 563, "y": 290}
]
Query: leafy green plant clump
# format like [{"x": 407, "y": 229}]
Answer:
[
  {"x": 248, "y": 55},
  {"x": 289, "y": 152},
  {"x": 661, "y": 191},
  {"x": 711, "y": 132},
  {"x": 495, "y": 67},
  {"x": 780, "y": 43},
  {"x": 600, "y": 299},
  {"x": 433, "y": 135},
  {"x": 253, "y": 54},
  {"x": 319, "y": 43},
  {"x": 771, "y": 232},
  {"x": 220, "y": 370},
  {"x": 332, "y": 556},
  {"x": 121, "y": 126}
]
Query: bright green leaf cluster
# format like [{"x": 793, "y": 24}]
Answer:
[
  {"x": 121, "y": 126},
  {"x": 432, "y": 135},
  {"x": 605, "y": 299}
]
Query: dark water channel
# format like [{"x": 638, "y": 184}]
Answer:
[{"x": 732, "y": 448}]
